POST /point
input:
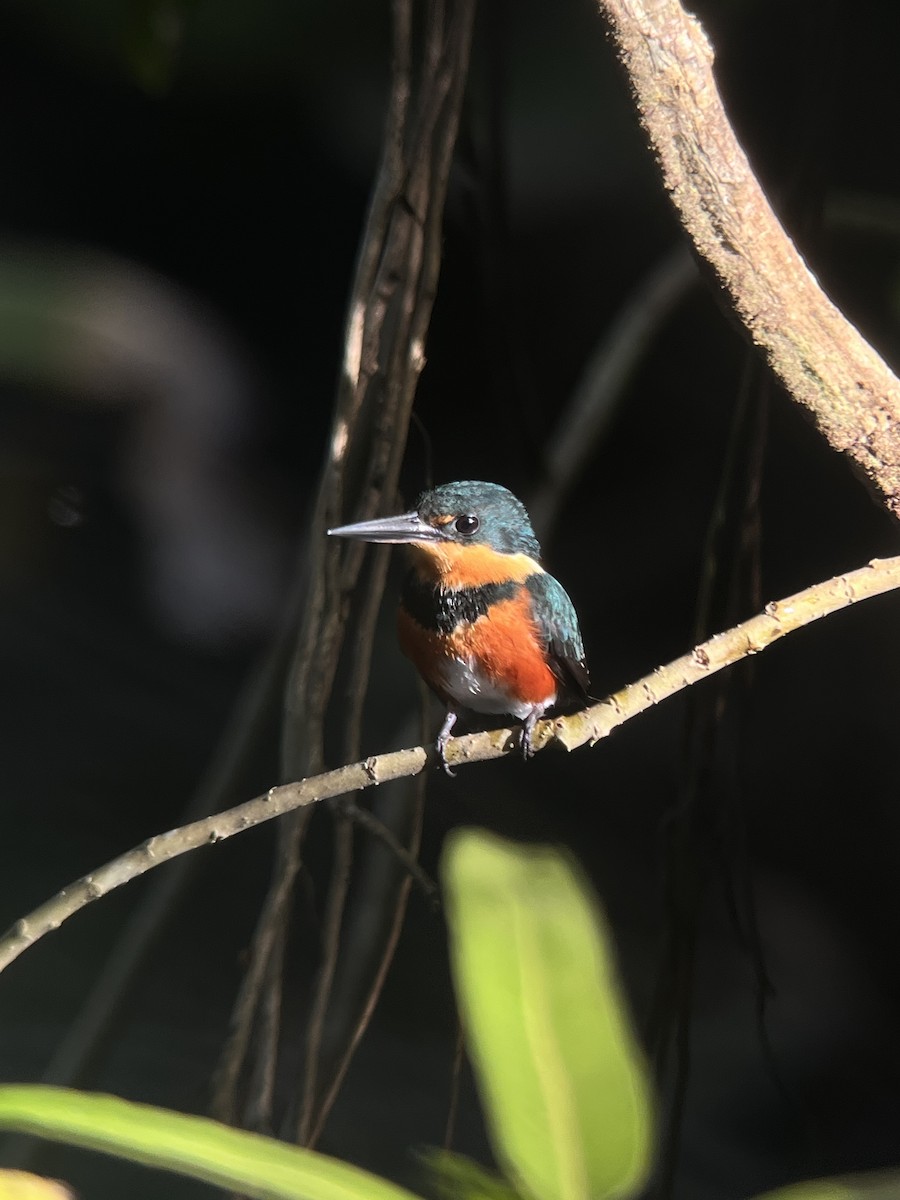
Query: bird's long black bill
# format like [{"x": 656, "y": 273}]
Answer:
[{"x": 408, "y": 527}]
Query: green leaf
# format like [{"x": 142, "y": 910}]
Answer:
[
  {"x": 456, "y": 1177},
  {"x": 560, "y": 1074},
  {"x": 203, "y": 1149}
]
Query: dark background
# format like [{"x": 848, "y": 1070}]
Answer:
[{"x": 183, "y": 188}]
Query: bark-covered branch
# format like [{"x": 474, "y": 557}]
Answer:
[
  {"x": 750, "y": 637},
  {"x": 823, "y": 361}
]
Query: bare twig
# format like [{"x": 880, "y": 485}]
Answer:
[
  {"x": 339, "y": 886},
  {"x": 387, "y": 957},
  {"x": 750, "y": 637},
  {"x": 265, "y": 952},
  {"x": 363, "y": 641},
  {"x": 823, "y": 361},
  {"x": 405, "y": 858},
  {"x": 605, "y": 378},
  {"x": 258, "y": 1112},
  {"x": 368, "y": 941}
]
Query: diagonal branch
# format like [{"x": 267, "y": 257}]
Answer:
[
  {"x": 750, "y": 637},
  {"x": 822, "y": 360}
]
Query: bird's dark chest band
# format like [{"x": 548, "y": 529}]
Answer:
[{"x": 440, "y": 610}]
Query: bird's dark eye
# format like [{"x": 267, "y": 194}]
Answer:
[{"x": 466, "y": 524}]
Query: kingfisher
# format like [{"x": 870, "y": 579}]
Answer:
[{"x": 487, "y": 628}]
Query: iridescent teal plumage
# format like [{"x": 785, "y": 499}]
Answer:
[
  {"x": 558, "y": 622},
  {"x": 504, "y": 524}
]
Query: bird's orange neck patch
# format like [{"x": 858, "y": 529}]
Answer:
[{"x": 454, "y": 566}]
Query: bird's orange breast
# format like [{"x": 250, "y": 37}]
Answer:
[{"x": 502, "y": 647}]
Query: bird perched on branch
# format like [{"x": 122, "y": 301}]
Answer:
[{"x": 485, "y": 625}]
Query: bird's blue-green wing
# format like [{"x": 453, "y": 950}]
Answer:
[{"x": 556, "y": 619}]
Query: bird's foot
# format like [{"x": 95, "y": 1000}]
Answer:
[
  {"x": 526, "y": 742},
  {"x": 443, "y": 738}
]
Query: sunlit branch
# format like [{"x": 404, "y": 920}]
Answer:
[
  {"x": 750, "y": 637},
  {"x": 820, "y": 357}
]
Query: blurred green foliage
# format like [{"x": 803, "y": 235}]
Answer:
[
  {"x": 562, "y": 1079},
  {"x": 194, "y": 1146},
  {"x": 561, "y": 1076}
]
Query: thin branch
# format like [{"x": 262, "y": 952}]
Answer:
[
  {"x": 605, "y": 377},
  {"x": 261, "y": 1090},
  {"x": 367, "y": 944},
  {"x": 360, "y": 653},
  {"x": 373, "y": 825},
  {"x": 338, "y": 890},
  {"x": 384, "y": 965},
  {"x": 750, "y": 637},
  {"x": 823, "y": 361},
  {"x": 265, "y": 942}
]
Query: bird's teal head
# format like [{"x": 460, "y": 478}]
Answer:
[
  {"x": 475, "y": 513},
  {"x": 469, "y": 514}
]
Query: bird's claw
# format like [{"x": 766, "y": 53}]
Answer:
[
  {"x": 443, "y": 738},
  {"x": 525, "y": 743},
  {"x": 441, "y": 747}
]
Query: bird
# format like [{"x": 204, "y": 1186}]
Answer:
[{"x": 487, "y": 628}]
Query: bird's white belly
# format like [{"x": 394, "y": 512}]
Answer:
[{"x": 471, "y": 688}]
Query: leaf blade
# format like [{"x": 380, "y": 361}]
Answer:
[
  {"x": 196, "y": 1146},
  {"x": 563, "y": 1082}
]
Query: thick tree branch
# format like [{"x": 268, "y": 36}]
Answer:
[
  {"x": 750, "y": 637},
  {"x": 823, "y": 361}
]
